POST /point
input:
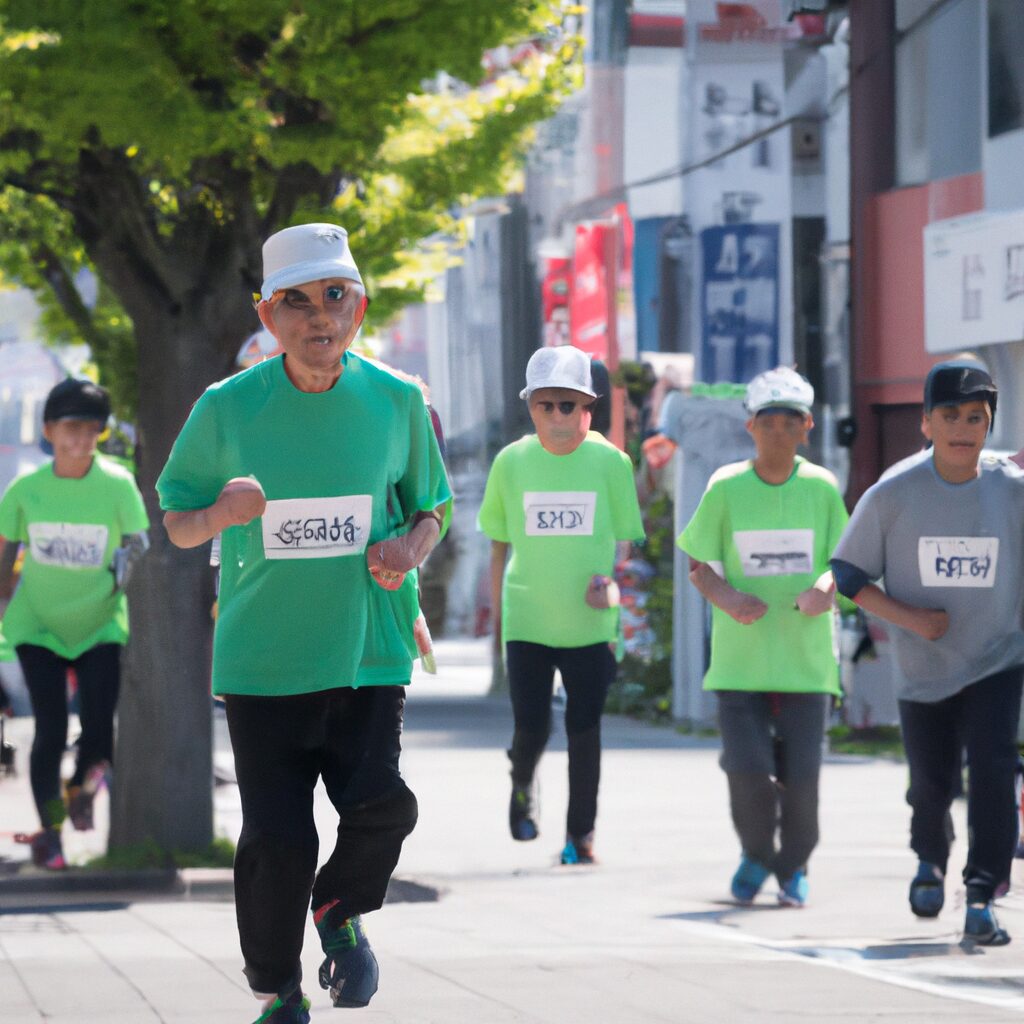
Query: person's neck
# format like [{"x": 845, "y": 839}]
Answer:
[
  {"x": 561, "y": 448},
  {"x": 955, "y": 474},
  {"x": 71, "y": 468},
  {"x": 313, "y": 382},
  {"x": 774, "y": 472}
]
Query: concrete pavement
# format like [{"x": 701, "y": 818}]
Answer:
[{"x": 647, "y": 936}]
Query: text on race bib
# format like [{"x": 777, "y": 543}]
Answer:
[
  {"x": 317, "y": 527},
  {"x": 775, "y": 552},
  {"x": 958, "y": 561},
  {"x": 68, "y": 545},
  {"x": 559, "y": 513}
]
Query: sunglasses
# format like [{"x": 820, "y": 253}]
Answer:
[{"x": 566, "y": 408}]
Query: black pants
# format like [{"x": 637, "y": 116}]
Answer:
[
  {"x": 982, "y": 720},
  {"x": 771, "y": 754},
  {"x": 282, "y": 746},
  {"x": 587, "y": 672},
  {"x": 99, "y": 679}
]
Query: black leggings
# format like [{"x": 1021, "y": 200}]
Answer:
[
  {"x": 982, "y": 720},
  {"x": 282, "y": 745},
  {"x": 99, "y": 676},
  {"x": 587, "y": 672}
]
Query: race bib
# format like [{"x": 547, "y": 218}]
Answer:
[
  {"x": 775, "y": 552},
  {"x": 317, "y": 527},
  {"x": 958, "y": 561},
  {"x": 559, "y": 513},
  {"x": 68, "y": 545}
]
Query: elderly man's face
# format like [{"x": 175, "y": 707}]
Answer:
[
  {"x": 561, "y": 417},
  {"x": 315, "y": 323}
]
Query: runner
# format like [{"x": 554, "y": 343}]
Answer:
[
  {"x": 946, "y": 534},
  {"x": 82, "y": 522},
  {"x": 759, "y": 545},
  {"x": 560, "y": 500},
  {"x": 322, "y": 471}
]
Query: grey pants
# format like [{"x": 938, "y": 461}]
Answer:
[{"x": 771, "y": 755}]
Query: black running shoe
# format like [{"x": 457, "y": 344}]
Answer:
[{"x": 350, "y": 972}]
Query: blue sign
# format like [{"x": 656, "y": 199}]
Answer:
[{"x": 740, "y": 301}]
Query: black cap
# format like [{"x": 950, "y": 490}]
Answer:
[
  {"x": 74, "y": 399},
  {"x": 954, "y": 383}
]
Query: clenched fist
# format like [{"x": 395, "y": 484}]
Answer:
[{"x": 240, "y": 501}]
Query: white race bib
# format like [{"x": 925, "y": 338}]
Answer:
[
  {"x": 559, "y": 513},
  {"x": 68, "y": 545},
  {"x": 317, "y": 527},
  {"x": 958, "y": 561},
  {"x": 775, "y": 552}
]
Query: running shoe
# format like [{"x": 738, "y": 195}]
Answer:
[
  {"x": 793, "y": 891},
  {"x": 521, "y": 821},
  {"x": 45, "y": 848},
  {"x": 350, "y": 971},
  {"x": 579, "y": 849},
  {"x": 80, "y": 798},
  {"x": 293, "y": 1009},
  {"x": 981, "y": 926},
  {"x": 927, "y": 890},
  {"x": 747, "y": 881}
]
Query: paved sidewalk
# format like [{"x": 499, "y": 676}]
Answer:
[{"x": 646, "y": 936}]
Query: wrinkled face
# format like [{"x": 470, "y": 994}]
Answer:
[
  {"x": 958, "y": 432},
  {"x": 561, "y": 417},
  {"x": 778, "y": 433},
  {"x": 73, "y": 439},
  {"x": 315, "y": 322}
]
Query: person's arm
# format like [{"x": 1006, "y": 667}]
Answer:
[
  {"x": 499, "y": 555},
  {"x": 818, "y": 598},
  {"x": 929, "y": 623},
  {"x": 240, "y": 501},
  {"x": 744, "y": 608},
  {"x": 407, "y": 551},
  {"x": 8, "y": 556}
]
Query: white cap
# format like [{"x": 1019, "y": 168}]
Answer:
[
  {"x": 560, "y": 367},
  {"x": 304, "y": 253},
  {"x": 781, "y": 388}
]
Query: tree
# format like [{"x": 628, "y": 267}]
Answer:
[{"x": 159, "y": 143}]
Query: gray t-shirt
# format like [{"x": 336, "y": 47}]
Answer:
[{"x": 958, "y": 547}]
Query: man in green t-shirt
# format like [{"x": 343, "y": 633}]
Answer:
[
  {"x": 321, "y": 472},
  {"x": 759, "y": 546},
  {"x": 81, "y": 522},
  {"x": 560, "y": 499}
]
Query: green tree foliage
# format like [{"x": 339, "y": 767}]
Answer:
[{"x": 159, "y": 142}]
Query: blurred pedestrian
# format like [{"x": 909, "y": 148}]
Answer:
[
  {"x": 759, "y": 545},
  {"x": 323, "y": 473},
  {"x": 559, "y": 499},
  {"x": 946, "y": 534},
  {"x": 82, "y": 523}
]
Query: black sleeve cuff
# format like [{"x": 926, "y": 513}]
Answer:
[{"x": 850, "y": 580}]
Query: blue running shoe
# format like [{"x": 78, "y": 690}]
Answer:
[
  {"x": 982, "y": 928},
  {"x": 793, "y": 891},
  {"x": 522, "y": 820},
  {"x": 747, "y": 881},
  {"x": 579, "y": 850},
  {"x": 293, "y": 1009},
  {"x": 927, "y": 890},
  {"x": 350, "y": 972}
]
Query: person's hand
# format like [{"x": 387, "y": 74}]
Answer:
[
  {"x": 240, "y": 501},
  {"x": 929, "y": 623},
  {"x": 813, "y": 601},
  {"x": 383, "y": 560},
  {"x": 602, "y": 592},
  {"x": 746, "y": 608}
]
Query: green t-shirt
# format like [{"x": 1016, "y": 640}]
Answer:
[
  {"x": 562, "y": 515},
  {"x": 340, "y": 470},
  {"x": 66, "y": 598},
  {"x": 772, "y": 541}
]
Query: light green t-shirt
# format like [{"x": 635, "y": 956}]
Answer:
[
  {"x": 66, "y": 599},
  {"x": 340, "y": 470},
  {"x": 772, "y": 541},
  {"x": 562, "y": 515}
]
